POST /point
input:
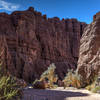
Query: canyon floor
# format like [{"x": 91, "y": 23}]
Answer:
[{"x": 60, "y": 94}]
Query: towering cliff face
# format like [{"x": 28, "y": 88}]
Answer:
[
  {"x": 33, "y": 42},
  {"x": 89, "y": 58}
]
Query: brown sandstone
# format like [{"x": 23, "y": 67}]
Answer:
[
  {"x": 34, "y": 41},
  {"x": 89, "y": 57}
]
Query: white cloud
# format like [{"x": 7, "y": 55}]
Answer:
[{"x": 8, "y": 6}]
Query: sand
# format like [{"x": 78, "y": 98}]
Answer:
[{"x": 60, "y": 94}]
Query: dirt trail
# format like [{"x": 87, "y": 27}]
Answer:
[{"x": 60, "y": 94}]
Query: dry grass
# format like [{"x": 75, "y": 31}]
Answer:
[
  {"x": 48, "y": 78},
  {"x": 9, "y": 89},
  {"x": 93, "y": 87},
  {"x": 72, "y": 79}
]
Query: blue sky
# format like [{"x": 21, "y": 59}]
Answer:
[{"x": 83, "y": 10}]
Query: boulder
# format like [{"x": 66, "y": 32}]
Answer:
[{"x": 39, "y": 85}]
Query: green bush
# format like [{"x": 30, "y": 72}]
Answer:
[
  {"x": 96, "y": 89},
  {"x": 90, "y": 87},
  {"x": 48, "y": 78},
  {"x": 72, "y": 79},
  {"x": 9, "y": 89},
  {"x": 93, "y": 87}
]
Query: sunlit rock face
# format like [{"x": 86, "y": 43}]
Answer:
[
  {"x": 89, "y": 57},
  {"x": 35, "y": 41}
]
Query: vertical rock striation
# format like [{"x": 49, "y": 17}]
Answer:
[
  {"x": 89, "y": 57},
  {"x": 35, "y": 41}
]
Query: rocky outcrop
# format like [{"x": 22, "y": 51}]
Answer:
[
  {"x": 5, "y": 58},
  {"x": 89, "y": 57},
  {"x": 95, "y": 17},
  {"x": 35, "y": 41}
]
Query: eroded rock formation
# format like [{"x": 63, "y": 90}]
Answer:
[
  {"x": 89, "y": 58},
  {"x": 35, "y": 41}
]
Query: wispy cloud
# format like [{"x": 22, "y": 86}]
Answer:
[{"x": 8, "y": 6}]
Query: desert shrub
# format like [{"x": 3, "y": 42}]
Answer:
[
  {"x": 9, "y": 89},
  {"x": 94, "y": 86},
  {"x": 96, "y": 89},
  {"x": 48, "y": 78},
  {"x": 72, "y": 79},
  {"x": 90, "y": 87}
]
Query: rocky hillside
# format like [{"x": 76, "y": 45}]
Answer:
[
  {"x": 31, "y": 42},
  {"x": 89, "y": 58}
]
